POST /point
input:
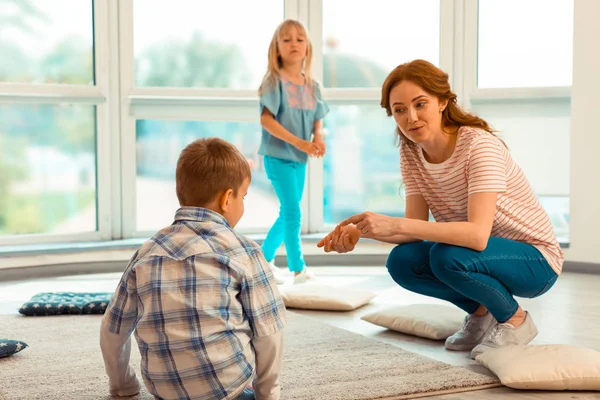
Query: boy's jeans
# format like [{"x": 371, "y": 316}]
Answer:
[
  {"x": 468, "y": 278},
  {"x": 287, "y": 178},
  {"x": 247, "y": 394}
]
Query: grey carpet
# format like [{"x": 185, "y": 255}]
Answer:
[{"x": 321, "y": 362}]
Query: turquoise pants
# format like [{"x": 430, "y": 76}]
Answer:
[{"x": 287, "y": 178}]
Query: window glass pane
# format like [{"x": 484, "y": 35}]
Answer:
[
  {"x": 537, "y": 135},
  {"x": 362, "y": 165},
  {"x": 44, "y": 41},
  {"x": 525, "y": 43},
  {"x": 47, "y": 169},
  {"x": 191, "y": 43},
  {"x": 159, "y": 144},
  {"x": 363, "y": 43}
]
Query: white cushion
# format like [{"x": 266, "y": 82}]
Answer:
[
  {"x": 313, "y": 296},
  {"x": 544, "y": 367},
  {"x": 430, "y": 321}
]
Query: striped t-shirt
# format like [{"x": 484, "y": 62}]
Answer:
[{"x": 481, "y": 163}]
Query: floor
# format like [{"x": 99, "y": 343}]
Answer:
[{"x": 568, "y": 314}]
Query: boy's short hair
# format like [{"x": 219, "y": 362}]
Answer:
[{"x": 206, "y": 168}]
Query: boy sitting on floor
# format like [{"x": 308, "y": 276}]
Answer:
[{"x": 200, "y": 298}]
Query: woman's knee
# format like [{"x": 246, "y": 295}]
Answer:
[
  {"x": 444, "y": 258},
  {"x": 404, "y": 261}
]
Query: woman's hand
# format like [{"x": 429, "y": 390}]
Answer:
[
  {"x": 372, "y": 225},
  {"x": 310, "y": 148},
  {"x": 341, "y": 239}
]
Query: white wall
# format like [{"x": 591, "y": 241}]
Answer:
[{"x": 585, "y": 135}]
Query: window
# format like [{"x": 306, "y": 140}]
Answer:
[
  {"x": 362, "y": 165},
  {"x": 187, "y": 43},
  {"x": 159, "y": 144},
  {"x": 42, "y": 43},
  {"x": 537, "y": 135},
  {"x": 47, "y": 169},
  {"x": 97, "y": 103},
  {"x": 525, "y": 43},
  {"x": 363, "y": 43}
]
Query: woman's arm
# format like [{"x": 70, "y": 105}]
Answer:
[
  {"x": 343, "y": 239},
  {"x": 473, "y": 234},
  {"x": 416, "y": 208}
]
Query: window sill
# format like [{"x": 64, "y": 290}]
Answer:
[
  {"x": 23, "y": 256},
  {"x": 120, "y": 251}
]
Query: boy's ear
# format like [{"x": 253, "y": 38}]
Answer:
[{"x": 224, "y": 200}]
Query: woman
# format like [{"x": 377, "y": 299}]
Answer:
[{"x": 491, "y": 239}]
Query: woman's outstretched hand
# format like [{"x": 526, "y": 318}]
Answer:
[
  {"x": 372, "y": 225},
  {"x": 341, "y": 239}
]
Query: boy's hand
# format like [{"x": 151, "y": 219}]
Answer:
[{"x": 342, "y": 239}]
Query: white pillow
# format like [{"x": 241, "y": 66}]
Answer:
[
  {"x": 312, "y": 296},
  {"x": 431, "y": 321},
  {"x": 544, "y": 367}
]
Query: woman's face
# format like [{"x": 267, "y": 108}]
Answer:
[{"x": 417, "y": 113}]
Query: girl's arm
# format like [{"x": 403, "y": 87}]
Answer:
[
  {"x": 318, "y": 138},
  {"x": 271, "y": 125},
  {"x": 473, "y": 234},
  {"x": 318, "y": 129}
]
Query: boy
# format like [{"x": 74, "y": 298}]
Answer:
[{"x": 201, "y": 299}]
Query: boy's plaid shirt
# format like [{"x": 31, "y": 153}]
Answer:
[{"x": 195, "y": 294}]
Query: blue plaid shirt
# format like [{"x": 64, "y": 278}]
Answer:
[{"x": 195, "y": 295}]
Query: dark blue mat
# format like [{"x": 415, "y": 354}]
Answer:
[{"x": 70, "y": 303}]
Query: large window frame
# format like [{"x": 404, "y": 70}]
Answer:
[
  {"x": 119, "y": 103},
  {"x": 471, "y": 92},
  {"x": 358, "y": 96},
  {"x": 169, "y": 103},
  {"x": 101, "y": 96},
  {"x": 471, "y": 95}
]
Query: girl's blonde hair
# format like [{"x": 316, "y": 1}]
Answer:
[{"x": 275, "y": 63}]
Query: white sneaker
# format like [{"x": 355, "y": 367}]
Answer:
[
  {"x": 277, "y": 273},
  {"x": 507, "y": 334},
  {"x": 304, "y": 277},
  {"x": 471, "y": 333}
]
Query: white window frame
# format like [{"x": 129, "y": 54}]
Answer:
[
  {"x": 471, "y": 91},
  {"x": 119, "y": 103},
  {"x": 366, "y": 96},
  {"x": 97, "y": 95},
  {"x": 171, "y": 103},
  {"x": 472, "y": 94}
]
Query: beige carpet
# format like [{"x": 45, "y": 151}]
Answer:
[{"x": 322, "y": 362}]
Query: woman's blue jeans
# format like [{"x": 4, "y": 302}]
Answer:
[
  {"x": 469, "y": 278},
  {"x": 287, "y": 178}
]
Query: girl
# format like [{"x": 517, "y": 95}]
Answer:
[{"x": 292, "y": 111}]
